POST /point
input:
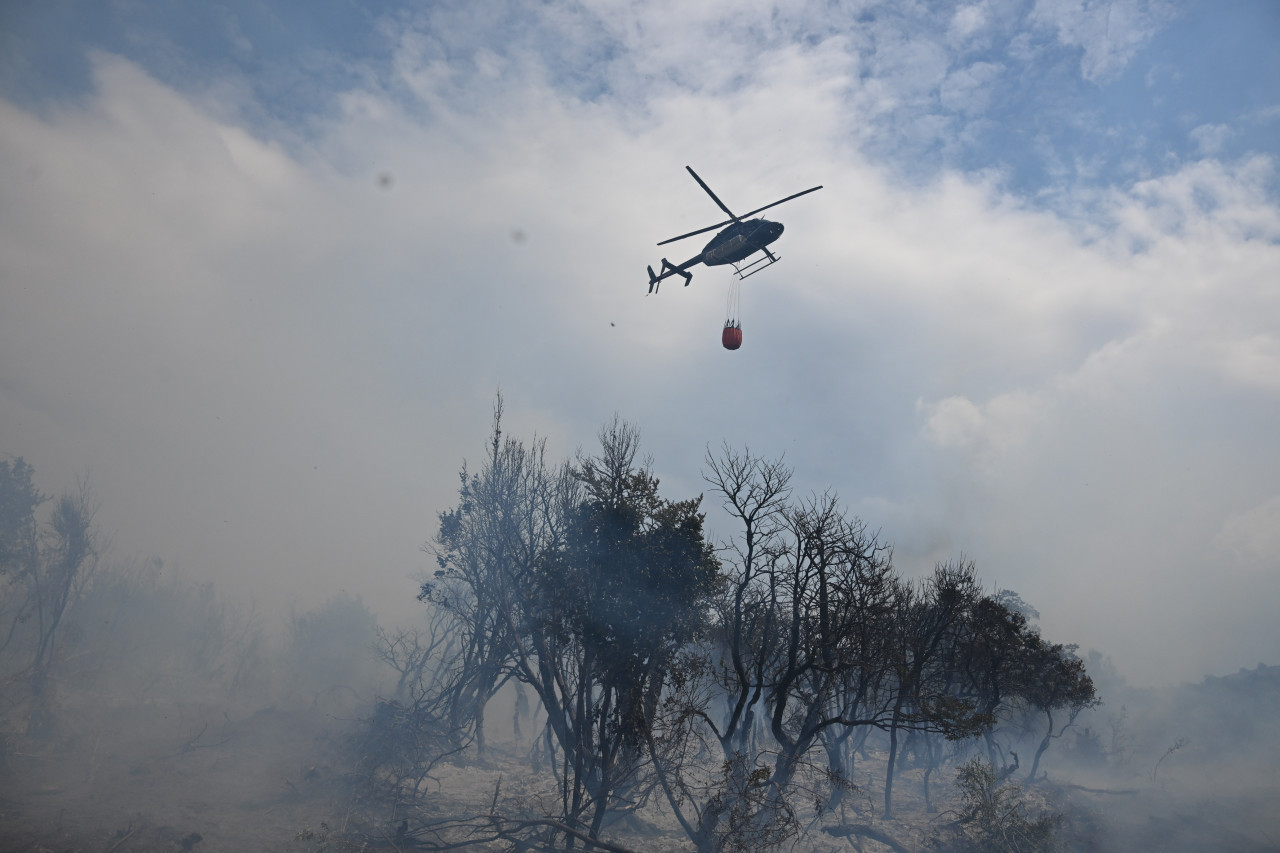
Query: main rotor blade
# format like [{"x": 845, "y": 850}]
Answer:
[
  {"x": 703, "y": 184},
  {"x": 726, "y": 210},
  {"x": 776, "y": 203},
  {"x": 699, "y": 231}
]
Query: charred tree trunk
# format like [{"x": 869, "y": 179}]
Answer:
[
  {"x": 1044, "y": 745},
  {"x": 931, "y": 764},
  {"x": 834, "y": 744},
  {"x": 891, "y": 768}
]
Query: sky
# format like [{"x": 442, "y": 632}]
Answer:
[{"x": 265, "y": 265}]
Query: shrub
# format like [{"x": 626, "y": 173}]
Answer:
[{"x": 994, "y": 816}]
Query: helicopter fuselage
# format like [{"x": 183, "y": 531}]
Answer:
[{"x": 739, "y": 241}]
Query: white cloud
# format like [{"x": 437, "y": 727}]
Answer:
[
  {"x": 967, "y": 20},
  {"x": 954, "y": 422},
  {"x": 1152, "y": 417},
  {"x": 1210, "y": 138},
  {"x": 1109, "y": 32},
  {"x": 1253, "y": 362},
  {"x": 993, "y": 432},
  {"x": 1253, "y": 536}
]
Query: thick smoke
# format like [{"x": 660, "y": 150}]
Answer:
[{"x": 588, "y": 669}]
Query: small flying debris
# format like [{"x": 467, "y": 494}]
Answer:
[{"x": 734, "y": 245}]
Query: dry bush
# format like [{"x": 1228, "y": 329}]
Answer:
[{"x": 994, "y": 816}]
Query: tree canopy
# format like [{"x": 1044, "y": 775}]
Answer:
[{"x": 714, "y": 675}]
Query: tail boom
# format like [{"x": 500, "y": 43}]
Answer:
[{"x": 669, "y": 269}]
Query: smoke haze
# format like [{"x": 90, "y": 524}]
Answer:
[{"x": 263, "y": 269}]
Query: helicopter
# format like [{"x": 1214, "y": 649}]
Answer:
[{"x": 742, "y": 239}]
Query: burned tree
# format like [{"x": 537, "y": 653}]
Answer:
[
  {"x": 991, "y": 662},
  {"x": 581, "y": 582},
  {"x": 814, "y": 630},
  {"x": 509, "y": 521},
  {"x": 1055, "y": 684},
  {"x": 42, "y": 568},
  {"x": 712, "y": 676},
  {"x": 19, "y": 544},
  {"x": 984, "y": 668},
  {"x": 611, "y": 611},
  {"x": 929, "y": 623},
  {"x": 717, "y": 691},
  {"x": 823, "y": 582},
  {"x": 803, "y": 636}
]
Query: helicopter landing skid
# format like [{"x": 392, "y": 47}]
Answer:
[{"x": 755, "y": 266}]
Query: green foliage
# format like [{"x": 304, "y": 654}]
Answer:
[{"x": 994, "y": 816}]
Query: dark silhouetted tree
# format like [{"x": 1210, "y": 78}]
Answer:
[
  {"x": 509, "y": 521},
  {"x": 930, "y": 622},
  {"x": 714, "y": 675},
  {"x": 42, "y": 566},
  {"x": 1056, "y": 685},
  {"x": 614, "y": 607},
  {"x": 581, "y": 582},
  {"x": 717, "y": 689},
  {"x": 19, "y": 545}
]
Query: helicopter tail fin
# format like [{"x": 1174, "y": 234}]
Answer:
[{"x": 668, "y": 269}]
